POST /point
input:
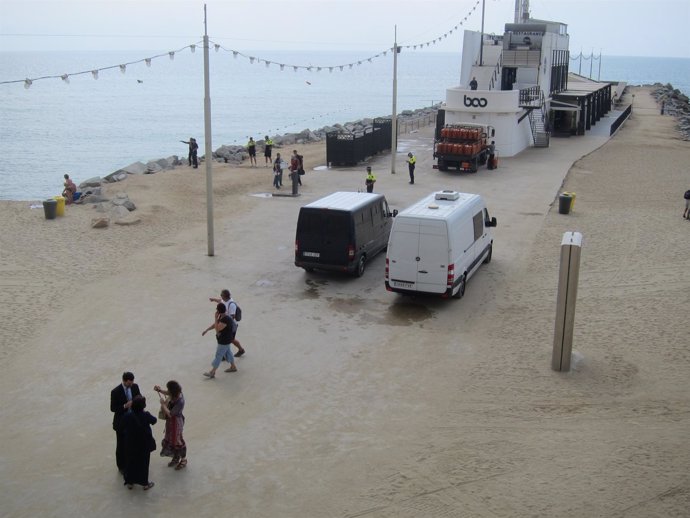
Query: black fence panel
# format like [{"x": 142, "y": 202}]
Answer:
[{"x": 351, "y": 148}]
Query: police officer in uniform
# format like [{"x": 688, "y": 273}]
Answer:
[
  {"x": 411, "y": 161},
  {"x": 268, "y": 148},
  {"x": 370, "y": 181}
]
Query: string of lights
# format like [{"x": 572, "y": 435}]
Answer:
[
  {"x": 293, "y": 124},
  {"x": 252, "y": 59},
  {"x": 582, "y": 56}
]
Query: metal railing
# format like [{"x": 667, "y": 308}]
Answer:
[
  {"x": 621, "y": 119},
  {"x": 408, "y": 125}
]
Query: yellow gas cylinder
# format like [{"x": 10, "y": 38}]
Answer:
[{"x": 60, "y": 211}]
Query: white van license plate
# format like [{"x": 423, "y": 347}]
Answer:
[
  {"x": 311, "y": 254},
  {"x": 399, "y": 284}
]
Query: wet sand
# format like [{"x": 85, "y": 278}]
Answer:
[{"x": 352, "y": 401}]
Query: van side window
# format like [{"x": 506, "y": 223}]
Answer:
[{"x": 478, "y": 221}]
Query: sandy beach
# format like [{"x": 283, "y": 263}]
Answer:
[{"x": 352, "y": 401}]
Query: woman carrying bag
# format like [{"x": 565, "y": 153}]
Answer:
[{"x": 173, "y": 444}]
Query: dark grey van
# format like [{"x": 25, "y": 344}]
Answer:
[{"x": 342, "y": 231}]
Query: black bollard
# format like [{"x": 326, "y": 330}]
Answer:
[{"x": 295, "y": 183}]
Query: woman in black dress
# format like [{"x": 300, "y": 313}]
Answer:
[{"x": 139, "y": 443}]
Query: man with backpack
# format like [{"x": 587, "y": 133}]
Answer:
[
  {"x": 234, "y": 312},
  {"x": 296, "y": 166},
  {"x": 686, "y": 212}
]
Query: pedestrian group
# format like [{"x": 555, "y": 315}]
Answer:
[{"x": 132, "y": 422}]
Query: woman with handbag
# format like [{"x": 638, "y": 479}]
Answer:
[{"x": 172, "y": 405}]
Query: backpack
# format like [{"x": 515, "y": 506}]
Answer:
[
  {"x": 300, "y": 170},
  {"x": 687, "y": 195},
  {"x": 238, "y": 312}
]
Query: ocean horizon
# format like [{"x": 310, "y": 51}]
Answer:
[{"x": 91, "y": 127}]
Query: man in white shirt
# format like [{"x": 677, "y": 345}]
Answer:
[{"x": 231, "y": 308}]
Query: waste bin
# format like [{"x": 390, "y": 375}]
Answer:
[
  {"x": 60, "y": 211},
  {"x": 564, "y": 202},
  {"x": 50, "y": 208},
  {"x": 572, "y": 203}
]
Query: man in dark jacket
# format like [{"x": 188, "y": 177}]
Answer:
[{"x": 120, "y": 404}]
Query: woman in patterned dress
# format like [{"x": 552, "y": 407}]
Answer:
[{"x": 173, "y": 444}]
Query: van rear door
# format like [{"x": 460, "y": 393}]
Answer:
[
  {"x": 323, "y": 236},
  {"x": 418, "y": 255},
  {"x": 432, "y": 263},
  {"x": 403, "y": 249}
]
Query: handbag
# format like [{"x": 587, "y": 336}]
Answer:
[{"x": 161, "y": 413}]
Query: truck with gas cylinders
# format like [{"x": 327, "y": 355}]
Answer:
[{"x": 462, "y": 147}]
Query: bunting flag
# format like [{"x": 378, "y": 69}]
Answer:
[{"x": 236, "y": 53}]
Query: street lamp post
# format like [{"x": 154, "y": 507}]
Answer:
[
  {"x": 394, "y": 116},
  {"x": 207, "y": 149}
]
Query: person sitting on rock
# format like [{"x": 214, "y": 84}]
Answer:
[{"x": 69, "y": 190}]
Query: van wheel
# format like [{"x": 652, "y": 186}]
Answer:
[
  {"x": 487, "y": 259},
  {"x": 308, "y": 270},
  {"x": 360, "y": 267},
  {"x": 461, "y": 288}
]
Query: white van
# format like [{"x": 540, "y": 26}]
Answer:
[{"x": 438, "y": 243}]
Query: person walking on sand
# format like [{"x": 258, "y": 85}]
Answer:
[
  {"x": 268, "y": 149},
  {"x": 69, "y": 190},
  {"x": 370, "y": 180},
  {"x": 230, "y": 310},
  {"x": 172, "y": 405},
  {"x": 225, "y": 331},
  {"x": 686, "y": 212},
  {"x": 140, "y": 444},
  {"x": 120, "y": 405},
  {"x": 193, "y": 150},
  {"x": 411, "y": 162},
  {"x": 277, "y": 172},
  {"x": 251, "y": 149}
]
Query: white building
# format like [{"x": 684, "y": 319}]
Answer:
[{"x": 522, "y": 90}]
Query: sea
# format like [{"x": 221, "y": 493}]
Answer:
[{"x": 94, "y": 124}]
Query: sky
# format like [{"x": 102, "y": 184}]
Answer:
[{"x": 612, "y": 27}]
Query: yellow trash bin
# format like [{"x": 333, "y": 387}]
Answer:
[
  {"x": 60, "y": 211},
  {"x": 572, "y": 202}
]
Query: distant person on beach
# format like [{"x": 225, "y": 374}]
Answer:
[
  {"x": 268, "y": 149},
  {"x": 277, "y": 172},
  {"x": 473, "y": 84},
  {"x": 230, "y": 310},
  {"x": 172, "y": 405},
  {"x": 121, "y": 404},
  {"x": 69, "y": 190},
  {"x": 140, "y": 443},
  {"x": 296, "y": 166},
  {"x": 370, "y": 180},
  {"x": 225, "y": 333},
  {"x": 193, "y": 150},
  {"x": 251, "y": 149},
  {"x": 686, "y": 212},
  {"x": 411, "y": 162}
]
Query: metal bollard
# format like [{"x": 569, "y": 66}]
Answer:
[
  {"x": 295, "y": 183},
  {"x": 571, "y": 247}
]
